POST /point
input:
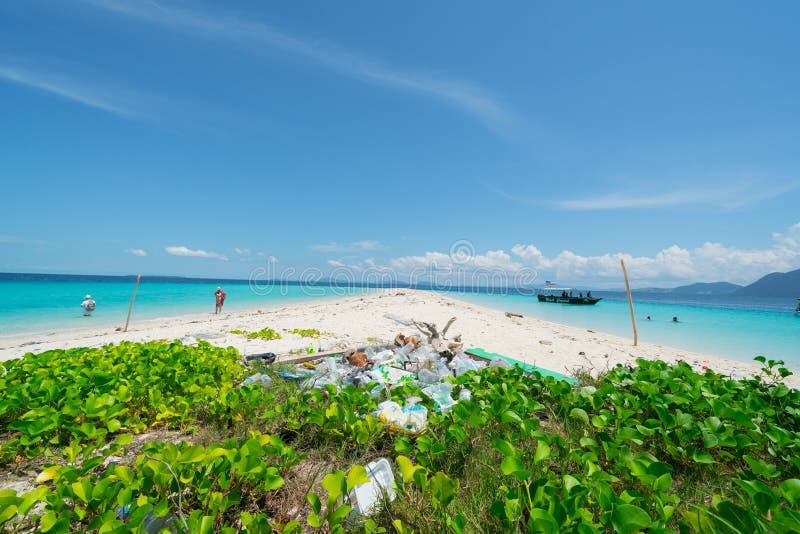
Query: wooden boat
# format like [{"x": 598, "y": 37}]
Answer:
[{"x": 566, "y": 295}]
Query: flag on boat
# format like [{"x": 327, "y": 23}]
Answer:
[{"x": 548, "y": 283}]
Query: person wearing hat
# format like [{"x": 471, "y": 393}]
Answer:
[
  {"x": 88, "y": 305},
  {"x": 220, "y": 296}
]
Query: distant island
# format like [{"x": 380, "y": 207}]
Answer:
[
  {"x": 774, "y": 285},
  {"x": 700, "y": 288},
  {"x": 771, "y": 285}
]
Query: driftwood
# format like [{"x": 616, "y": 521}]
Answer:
[
  {"x": 436, "y": 339},
  {"x": 512, "y": 314},
  {"x": 300, "y": 358}
]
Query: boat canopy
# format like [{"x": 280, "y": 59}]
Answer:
[{"x": 559, "y": 289}]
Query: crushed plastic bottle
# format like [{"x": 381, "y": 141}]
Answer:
[
  {"x": 258, "y": 378},
  {"x": 462, "y": 364},
  {"x": 426, "y": 376},
  {"x": 442, "y": 370},
  {"x": 154, "y": 525},
  {"x": 380, "y": 357},
  {"x": 440, "y": 394},
  {"x": 500, "y": 362}
]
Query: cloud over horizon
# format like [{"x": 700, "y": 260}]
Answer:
[
  {"x": 198, "y": 253},
  {"x": 674, "y": 265},
  {"x": 356, "y": 246}
]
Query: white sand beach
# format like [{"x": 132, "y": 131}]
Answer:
[{"x": 353, "y": 321}]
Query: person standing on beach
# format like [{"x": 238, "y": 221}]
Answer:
[
  {"x": 88, "y": 305},
  {"x": 220, "y": 295}
]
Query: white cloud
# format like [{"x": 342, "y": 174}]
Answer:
[
  {"x": 185, "y": 251},
  {"x": 254, "y": 36},
  {"x": 674, "y": 265},
  {"x": 136, "y": 252},
  {"x": 356, "y": 246},
  {"x": 16, "y": 239},
  {"x": 726, "y": 196},
  {"x": 748, "y": 190},
  {"x": 65, "y": 87}
]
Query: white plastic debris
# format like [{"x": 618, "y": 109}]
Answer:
[{"x": 366, "y": 497}]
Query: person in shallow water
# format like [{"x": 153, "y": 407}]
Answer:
[
  {"x": 88, "y": 305},
  {"x": 219, "y": 295},
  {"x": 647, "y": 318},
  {"x": 674, "y": 319}
]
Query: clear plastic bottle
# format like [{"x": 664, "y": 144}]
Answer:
[{"x": 154, "y": 525}]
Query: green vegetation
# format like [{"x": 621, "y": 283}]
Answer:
[
  {"x": 656, "y": 448},
  {"x": 309, "y": 332},
  {"x": 265, "y": 334}
]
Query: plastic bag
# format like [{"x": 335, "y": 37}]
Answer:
[{"x": 410, "y": 419}]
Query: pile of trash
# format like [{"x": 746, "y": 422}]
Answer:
[{"x": 406, "y": 360}]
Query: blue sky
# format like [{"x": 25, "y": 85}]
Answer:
[{"x": 198, "y": 138}]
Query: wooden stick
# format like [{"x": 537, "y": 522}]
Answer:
[
  {"x": 630, "y": 303},
  {"x": 130, "y": 308}
]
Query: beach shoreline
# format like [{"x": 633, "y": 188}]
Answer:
[{"x": 355, "y": 320}]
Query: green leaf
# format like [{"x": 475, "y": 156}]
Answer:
[
  {"x": 504, "y": 447},
  {"x": 31, "y": 498},
  {"x": 542, "y": 521},
  {"x": 663, "y": 483},
  {"x": 510, "y": 416},
  {"x": 790, "y": 489},
  {"x": 702, "y": 457},
  {"x": 542, "y": 452},
  {"x": 443, "y": 488},
  {"x": 407, "y": 468},
  {"x": 82, "y": 490},
  {"x": 113, "y": 425},
  {"x": 334, "y": 484},
  {"x": 314, "y": 520},
  {"x": 403, "y": 445},
  {"x": 315, "y": 503},
  {"x": 7, "y": 513},
  {"x": 579, "y": 413},
  {"x": 356, "y": 476},
  {"x": 628, "y": 518},
  {"x": 511, "y": 464}
]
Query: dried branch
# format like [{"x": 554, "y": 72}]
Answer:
[{"x": 180, "y": 492}]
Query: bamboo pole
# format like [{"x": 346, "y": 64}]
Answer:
[
  {"x": 630, "y": 303},
  {"x": 133, "y": 297}
]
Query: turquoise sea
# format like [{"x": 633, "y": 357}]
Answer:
[
  {"x": 37, "y": 305},
  {"x": 736, "y": 328},
  {"x": 723, "y": 326}
]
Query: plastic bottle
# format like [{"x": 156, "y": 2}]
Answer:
[
  {"x": 465, "y": 394},
  {"x": 258, "y": 378},
  {"x": 440, "y": 394},
  {"x": 426, "y": 376},
  {"x": 153, "y": 525}
]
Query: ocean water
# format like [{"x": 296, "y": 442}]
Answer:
[
  {"x": 37, "y": 305},
  {"x": 723, "y": 326},
  {"x": 730, "y": 327}
]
